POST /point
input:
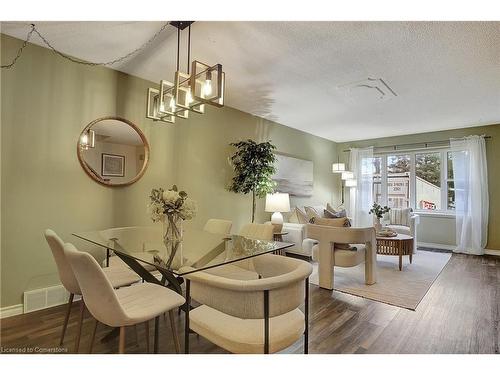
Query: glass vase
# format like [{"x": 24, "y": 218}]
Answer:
[{"x": 172, "y": 239}]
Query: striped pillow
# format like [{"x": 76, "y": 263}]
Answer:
[{"x": 400, "y": 216}]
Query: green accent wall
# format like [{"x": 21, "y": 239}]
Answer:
[
  {"x": 45, "y": 103},
  {"x": 438, "y": 228}
]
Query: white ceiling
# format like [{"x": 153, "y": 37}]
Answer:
[
  {"x": 446, "y": 74},
  {"x": 113, "y": 131}
]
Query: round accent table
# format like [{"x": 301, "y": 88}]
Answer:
[{"x": 399, "y": 245}]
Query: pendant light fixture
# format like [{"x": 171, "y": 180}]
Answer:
[{"x": 201, "y": 84}]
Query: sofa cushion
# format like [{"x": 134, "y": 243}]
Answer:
[{"x": 402, "y": 229}]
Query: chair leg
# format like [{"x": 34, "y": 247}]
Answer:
[
  {"x": 136, "y": 335},
  {"x": 175, "y": 336},
  {"x": 66, "y": 319},
  {"x": 157, "y": 327},
  {"x": 121, "y": 347},
  {"x": 146, "y": 325},
  {"x": 93, "y": 337},
  {"x": 80, "y": 322}
]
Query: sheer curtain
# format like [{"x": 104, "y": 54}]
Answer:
[
  {"x": 361, "y": 196},
  {"x": 470, "y": 174}
]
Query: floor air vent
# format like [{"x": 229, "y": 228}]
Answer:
[{"x": 43, "y": 298}]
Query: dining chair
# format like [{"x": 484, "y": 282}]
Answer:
[
  {"x": 218, "y": 226},
  {"x": 121, "y": 307},
  {"x": 258, "y": 231},
  {"x": 251, "y": 316},
  {"x": 118, "y": 276}
]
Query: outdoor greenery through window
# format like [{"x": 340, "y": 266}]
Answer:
[{"x": 422, "y": 180}]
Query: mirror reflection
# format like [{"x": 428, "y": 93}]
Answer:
[{"x": 113, "y": 151}]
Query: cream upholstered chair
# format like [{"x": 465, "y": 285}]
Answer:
[
  {"x": 403, "y": 221},
  {"x": 329, "y": 254},
  {"x": 251, "y": 316},
  {"x": 118, "y": 277},
  {"x": 243, "y": 270},
  {"x": 218, "y": 226},
  {"x": 258, "y": 231},
  {"x": 122, "y": 307}
]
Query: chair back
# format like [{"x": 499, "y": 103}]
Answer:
[
  {"x": 326, "y": 234},
  {"x": 64, "y": 269},
  {"x": 283, "y": 277},
  {"x": 258, "y": 231},
  {"x": 218, "y": 226},
  {"x": 98, "y": 293}
]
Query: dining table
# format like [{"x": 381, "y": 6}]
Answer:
[{"x": 144, "y": 249}]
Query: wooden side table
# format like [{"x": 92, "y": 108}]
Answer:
[
  {"x": 278, "y": 236},
  {"x": 399, "y": 245}
]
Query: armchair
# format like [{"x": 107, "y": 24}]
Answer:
[
  {"x": 329, "y": 255},
  {"x": 403, "y": 221}
]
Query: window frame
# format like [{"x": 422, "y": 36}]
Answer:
[{"x": 443, "y": 151}]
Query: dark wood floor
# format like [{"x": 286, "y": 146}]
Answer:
[{"x": 459, "y": 314}]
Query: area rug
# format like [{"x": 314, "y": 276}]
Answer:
[{"x": 404, "y": 288}]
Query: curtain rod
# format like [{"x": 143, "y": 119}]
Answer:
[{"x": 424, "y": 144}]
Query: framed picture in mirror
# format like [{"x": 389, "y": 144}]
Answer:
[{"x": 112, "y": 165}]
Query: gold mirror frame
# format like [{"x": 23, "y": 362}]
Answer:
[{"x": 91, "y": 174}]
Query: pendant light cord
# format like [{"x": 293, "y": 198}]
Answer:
[
  {"x": 178, "y": 45},
  {"x": 34, "y": 30},
  {"x": 189, "y": 47}
]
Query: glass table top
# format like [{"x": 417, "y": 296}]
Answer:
[{"x": 198, "y": 249}]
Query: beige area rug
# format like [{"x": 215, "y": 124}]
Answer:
[{"x": 404, "y": 288}]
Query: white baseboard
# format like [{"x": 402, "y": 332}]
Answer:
[
  {"x": 7, "y": 311},
  {"x": 452, "y": 247},
  {"x": 436, "y": 245}
]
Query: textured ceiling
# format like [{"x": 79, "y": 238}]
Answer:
[{"x": 307, "y": 75}]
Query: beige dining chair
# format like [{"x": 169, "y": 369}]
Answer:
[
  {"x": 121, "y": 307},
  {"x": 118, "y": 276},
  {"x": 243, "y": 270},
  {"x": 331, "y": 252},
  {"x": 218, "y": 226},
  {"x": 251, "y": 316},
  {"x": 257, "y": 231}
]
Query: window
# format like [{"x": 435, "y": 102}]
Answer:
[
  {"x": 398, "y": 181},
  {"x": 422, "y": 180},
  {"x": 428, "y": 181}
]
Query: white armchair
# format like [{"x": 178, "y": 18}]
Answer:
[{"x": 403, "y": 221}]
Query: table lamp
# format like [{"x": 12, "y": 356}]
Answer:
[{"x": 277, "y": 203}]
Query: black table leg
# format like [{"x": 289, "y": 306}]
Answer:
[{"x": 157, "y": 323}]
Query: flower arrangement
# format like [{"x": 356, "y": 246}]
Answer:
[
  {"x": 171, "y": 204},
  {"x": 171, "y": 207},
  {"x": 378, "y": 210}
]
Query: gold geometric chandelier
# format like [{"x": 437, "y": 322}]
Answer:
[{"x": 201, "y": 84}]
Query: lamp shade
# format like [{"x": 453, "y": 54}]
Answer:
[
  {"x": 338, "y": 167},
  {"x": 347, "y": 175},
  {"x": 277, "y": 202},
  {"x": 351, "y": 183}
]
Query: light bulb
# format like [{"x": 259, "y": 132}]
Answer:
[
  {"x": 189, "y": 97},
  {"x": 162, "y": 107},
  {"x": 172, "y": 103},
  {"x": 207, "y": 87},
  {"x": 85, "y": 139}
]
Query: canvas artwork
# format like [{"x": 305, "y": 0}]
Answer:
[
  {"x": 113, "y": 165},
  {"x": 294, "y": 176}
]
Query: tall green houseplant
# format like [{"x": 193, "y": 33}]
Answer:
[{"x": 253, "y": 165}]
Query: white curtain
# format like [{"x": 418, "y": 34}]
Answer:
[
  {"x": 361, "y": 196},
  {"x": 470, "y": 175}
]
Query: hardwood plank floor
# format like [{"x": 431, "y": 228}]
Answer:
[{"x": 459, "y": 314}]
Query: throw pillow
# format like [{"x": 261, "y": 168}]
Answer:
[
  {"x": 335, "y": 214},
  {"x": 301, "y": 216},
  {"x": 338, "y": 222},
  {"x": 311, "y": 213},
  {"x": 291, "y": 217}
]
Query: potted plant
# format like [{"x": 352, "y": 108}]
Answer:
[
  {"x": 253, "y": 165},
  {"x": 379, "y": 213}
]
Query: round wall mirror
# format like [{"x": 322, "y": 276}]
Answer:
[{"x": 113, "y": 151}]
